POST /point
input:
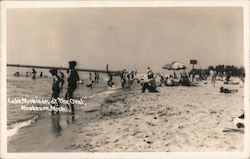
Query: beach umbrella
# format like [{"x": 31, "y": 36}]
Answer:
[{"x": 174, "y": 66}]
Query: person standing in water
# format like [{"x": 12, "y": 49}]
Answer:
[
  {"x": 90, "y": 76},
  {"x": 56, "y": 88},
  {"x": 110, "y": 82},
  {"x": 96, "y": 77},
  {"x": 41, "y": 74},
  {"x": 34, "y": 73},
  {"x": 72, "y": 83}
]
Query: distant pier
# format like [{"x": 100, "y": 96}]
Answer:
[{"x": 114, "y": 72}]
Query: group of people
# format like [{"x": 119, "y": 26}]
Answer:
[
  {"x": 58, "y": 82},
  {"x": 33, "y": 74},
  {"x": 127, "y": 78},
  {"x": 94, "y": 79},
  {"x": 173, "y": 80},
  {"x": 184, "y": 80}
]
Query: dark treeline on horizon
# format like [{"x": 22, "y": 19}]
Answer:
[{"x": 221, "y": 69}]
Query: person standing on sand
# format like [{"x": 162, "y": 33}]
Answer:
[
  {"x": 72, "y": 84},
  {"x": 213, "y": 76},
  {"x": 56, "y": 88}
]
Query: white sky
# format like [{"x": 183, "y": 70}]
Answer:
[{"x": 125, "y": 37}]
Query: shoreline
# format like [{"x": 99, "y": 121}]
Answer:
[
  {"x": 171, "y": 120},
  {"x": 62, "y": 126}
]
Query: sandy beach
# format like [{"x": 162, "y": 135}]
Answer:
[{"x": 174, "y": 119}]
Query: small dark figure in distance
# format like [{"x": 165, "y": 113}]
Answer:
[
  {"x": 90, "y": 85},
  {"x": 41, "y": 74},
  {"x": 17, "y": 74},
  {"x": 34, "y": 73}
]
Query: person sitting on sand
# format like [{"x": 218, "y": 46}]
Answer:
[
  {"x": 225, "y": 90},
  {"x": 171, "y": 81},
  {"x": 56, "y": 88},
  {"x": 162, "y": 80},
  {"x": 72, "y": 83},
  {"x": 184, "y": 80},
  {"x": 150, "y": 84}
]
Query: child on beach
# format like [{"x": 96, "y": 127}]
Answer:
[
  {"x": 72, "y": 83},
  {"x": 56, "y": 88}
]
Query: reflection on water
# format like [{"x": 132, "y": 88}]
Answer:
[
  {"x": 58, "y": 122},
  {"x": 56, "y": 127},
  {"x": 70, "y": 119}
]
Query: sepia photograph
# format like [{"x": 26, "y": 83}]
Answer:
[{"x": 130, "y": 78}]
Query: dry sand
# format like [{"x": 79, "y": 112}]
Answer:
[{"x": 175, "y": 119}]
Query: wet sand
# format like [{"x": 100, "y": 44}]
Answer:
[{"x": 172, "y": 120}]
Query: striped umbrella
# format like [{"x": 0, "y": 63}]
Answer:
[{"x": 174, "y": 66}]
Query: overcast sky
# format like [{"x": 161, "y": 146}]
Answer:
[{"x": 125, "y": 37}]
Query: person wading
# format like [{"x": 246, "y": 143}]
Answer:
[{"x": 72, "y": 84}]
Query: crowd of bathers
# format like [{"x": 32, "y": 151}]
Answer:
[{"x": 127, "y": 79}]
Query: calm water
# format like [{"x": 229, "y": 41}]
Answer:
[{"x": 40, "y": 88}]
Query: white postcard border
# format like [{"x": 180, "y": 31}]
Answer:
[{"x": 69, "y": 4}]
